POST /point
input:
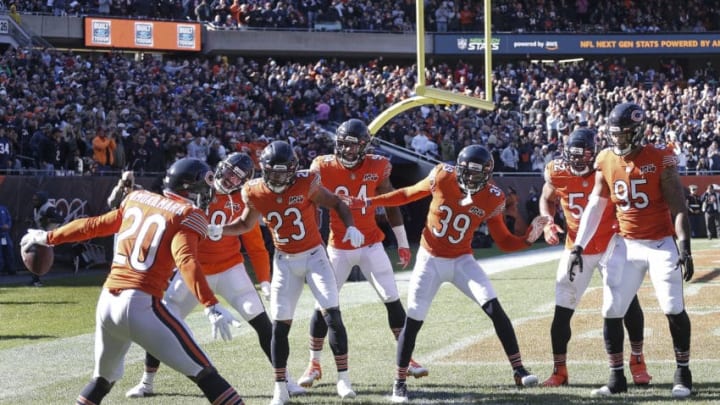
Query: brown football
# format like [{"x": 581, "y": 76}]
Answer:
[{"x": 38, "y": 259}]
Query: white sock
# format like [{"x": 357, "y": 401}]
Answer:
[
  {"x": 148, "y": 378},
  {"x": 315, "y": 355}
]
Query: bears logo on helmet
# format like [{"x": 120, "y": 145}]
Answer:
[
  {"x": 579, "y": 152},
  {"x": 232, "y": 172},
  {"x": 279, "y": 165},
  {"x": 625, "y": 128},
  {"x": 190, "y": 179},
  {"x": 351, "y": 141},
  {"x": 474, "y": 168}
]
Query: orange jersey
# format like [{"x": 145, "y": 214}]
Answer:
[
  {"x": 291, "y": 216},
  {"x": 155, "y": 234},
  {"x": 574, "y": 192},
  {"x": 219, "y": 254},
  {"x": 450, "y": 225},
  {"x": 361, "y": 182},
  {"x": 635, "y": 190}
]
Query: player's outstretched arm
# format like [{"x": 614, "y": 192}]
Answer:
[
  {"x": 324, "y": 198},
  {"x": 244, "y": 223},
  {"x": 395, "y": 218}
]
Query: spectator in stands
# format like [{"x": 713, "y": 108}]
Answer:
[
  {"x": 6, "y": 152},
  {"x": 103, "y": 149},
  {"x": 198, "y": 148},
  {"x": 510, "y": 158},
  {"x": 442, "y": 16}
]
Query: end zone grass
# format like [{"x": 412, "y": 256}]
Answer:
[{"x": 46, "y": 345}]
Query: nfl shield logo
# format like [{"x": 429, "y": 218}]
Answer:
[{"x": 462, "y": 43}]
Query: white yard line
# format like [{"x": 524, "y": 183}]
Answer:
[{"x": 72, "y": 357}]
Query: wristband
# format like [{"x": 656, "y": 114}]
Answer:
[
  {"x": 685, "y": 245},
  {"x": 401, "y": 236}
]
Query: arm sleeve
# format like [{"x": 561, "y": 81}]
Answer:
[
  {"x": 86, "y": 228},
  {"x": 404, "y": 195},
  {"x": 184, "y": 251},
  {"x": 259, "y": 256},
  {"x": 506, "y": 241}
]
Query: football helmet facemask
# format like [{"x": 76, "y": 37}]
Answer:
[
  {"x": 232, "y": 172},
  {"x": 279, "y": 165},
  {"x": 189, "y": 179},
  {"x": 351, "y": 141},
  {"x": 474, "y": 168},
  {"x": 579, "y": 152},
  {"x": 625, "y": 128}
]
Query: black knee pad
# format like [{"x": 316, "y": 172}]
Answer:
[
  {"x": 333, "y": 318},
  {"x": 396, "y": 314}
]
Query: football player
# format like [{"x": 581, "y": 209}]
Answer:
[
  {"x": 222, "y": 264},
  {"x": 353, "y": 172},
  {"x": 287, "y": 199},
  {"x": 569, "y": 179},
  {"x": 463, "y": 197},
  {"x": 643, "y": 184},
  {"x": 154, "y": 233}
]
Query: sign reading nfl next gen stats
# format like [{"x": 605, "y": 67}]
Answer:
[
  {"x": 578, "y": 44},
  {"x": 138, "y": 34}
]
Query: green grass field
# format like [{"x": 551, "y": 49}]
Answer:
[{"x": 46, "y": 345}]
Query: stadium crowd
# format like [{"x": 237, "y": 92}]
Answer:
[
  {"x": 67, "y": 113},
  {"x": 399, "y": 15}
]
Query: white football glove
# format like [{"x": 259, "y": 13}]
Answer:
[
  {"x": 33, "y": 237},
  {"x": 355, "y": 237},
  {"x": 265, "y": 289},
  {"x": 220, "y": 320},
  {"x": 537, "y": 227},
  {"x": 215, "y": 231}
]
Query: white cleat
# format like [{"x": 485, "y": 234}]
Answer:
[
  {"x": 399, "y": 395},
  {"x": 293, "y": 388},
  {"x": 603, "y": 391},
  {"x": 344, "y": 388},
  {"x": 680, "y": 391},
  {"x": 416, "y": 370},
  {"x": 139, "y": 391},
  {"x": 280, "y": 395},
  {"x": 312, "y": 373}
]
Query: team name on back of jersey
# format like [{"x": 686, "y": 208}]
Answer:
[
  {"x": 296, "y": 199},
  {"x": 370, "y": 177},
  {"x": 648, "y": 168},
  {"x": 158, "y": 201}
]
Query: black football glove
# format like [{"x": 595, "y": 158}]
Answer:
[
  {"x": 685, "y": 261},
  {"x": 574, "y": 261}
]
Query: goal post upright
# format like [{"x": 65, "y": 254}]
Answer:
[{"x": 429, "y": 95}]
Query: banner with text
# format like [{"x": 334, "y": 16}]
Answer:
[
  {"x": 571, "y": 44},
  {"x": 142, "y": 34}
]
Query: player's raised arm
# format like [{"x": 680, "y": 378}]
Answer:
[{"x": 244, "y": 223}]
